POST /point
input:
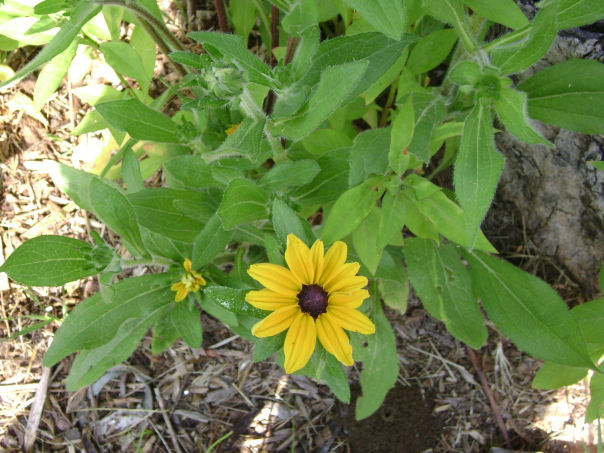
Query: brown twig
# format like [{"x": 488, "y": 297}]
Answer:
[
  {"x": 487, "y": 390},
  {"x": 274, "y": 33},
  {"x": 222, "y": 20},
  {"x": 291, "y": 47},
  {"x": 35, "y": 412}
]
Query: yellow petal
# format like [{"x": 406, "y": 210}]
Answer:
[
  {"x": 299, "y": 342},
  {"x": 316, "y": 256},
  {"x": 334, "y": 260},
  {"x": 348, "y": 300},
  {"x": 276, "y": 277},
  {"x": 181, "y": 291},
  {"x": 347, "y": 285},
  {"x": 187, "y": 265},
  {"x": 297, "y": 256},
  {"x": 334, "y": 340},
  {"x": 276, "y": 322},
  {"x": 346, "y": 271},
  {"x": 352, "y": 320},
  {"x": 265, "y": 299}
]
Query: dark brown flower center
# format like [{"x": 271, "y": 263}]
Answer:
[{"x": 312, "y": 300}]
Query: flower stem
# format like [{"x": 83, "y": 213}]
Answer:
[{"x": 155, "y": 261}]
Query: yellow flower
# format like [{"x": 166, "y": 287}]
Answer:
[
  {"x": 190, "y": 282},
  {"x": 316, "y": 297},
  {"x": 231, "y": 130}
]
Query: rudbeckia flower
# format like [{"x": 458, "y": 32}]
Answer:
[
  {"x": 316, "y": 297},
  {"x": 190, "y": 282}
]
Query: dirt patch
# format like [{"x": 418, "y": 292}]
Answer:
[{"x": 404, "y": 424}]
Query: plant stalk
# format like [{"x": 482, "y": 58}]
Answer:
[
  {"x": 487, "y": 390},
  {"x": 222, "y": 20}
]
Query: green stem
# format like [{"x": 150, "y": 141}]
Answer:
[
  {"x": 155, "y": 261},
  {"x": 147, "y": 16},
  {"x": 508, "y": 38}
]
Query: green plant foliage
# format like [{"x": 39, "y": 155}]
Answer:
[
  {"x": 380, "y": 364},
  {"x": 568, "y": 94},
  {"x": 52, "y": 261},
  {"x": 338, "y": 133},
  {"x": 445, "y": 288},
  {"x": 477, "y": 168},
  {"x": 528, "y": 311}
]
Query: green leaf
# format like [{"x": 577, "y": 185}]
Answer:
[
  {"x": 233, "y": 300},
  {"x": 350, "y": 209},
  {"x": 266, "y": 347},
  {"x": 82, "y": 13},
  {"x": 504, "y": 12},
  {"x": 187, "y": 322},
  {"x": 401, "y": 134},
  {"x": 420, "y": 225},
  {"x": 289, "y": 174},
  {"x": 113, "y": 16},
  {"x": 596, "y": 404},
  {"x": 386, "y": 79},
  {"x": 380, "y": 364},
  {"x": 95, "y": 321},
  {"x": 387, "y": 16},
  {"x": 477, "y": 169},
  {"x": 553, "y": 376},
  {"x": 393, "y": 282},
  {"x": 144, "y": 45},
  {"x": 210, "y": 241},
  {"x": 431, "y": 50},
  {"x": 448, "y": 218},
  {"x": 429, "y": 111},
  {"x": 73, "y": 182},
  {"x": 336, "y": 83},
  {"x": 444, "y": 285},
  {"x": 377, "y": 49},
  {"x": 336, "y": 379},
  {"x": 140, "y": 121},
  {"x": 189, "y": 171},
  {"x": 233, "y": 47},
  {"x": 246, "y": 140},
  {"x": 519, "y": 56},
  {"x": 164, "y": 333},
  {"x": 466, "y": 73},
  {"x": 50, "y": 261},
  {"x": 51, "y": 76},
  {"x": 90, "y": 365},
  {"x": 569, "y": 95},
  {"x": 131, "y": 172},
  {"x": 392, "y": 219},
  {"x": 452, "y": 12},
  {"x": 590, "y": 317},
  {"x": 528, "y": 311},
  {"x": 369, "y": 155},
  {"x": 158, "y": 209},
  {"x": 364, "y": 239},
  {"x": 331, "y": 181},
  {"x": 243, "y": 16},
  {"x": 114, "y": 208},
  {"x": 125, "y": 60},
  {"x": 511, "y": 108},
  {"x": 243, "y": 202},
  {"x": 575, "y": 13},
  {"x": 286, "y": 221},
  {"x": 303, "y": 14}
]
